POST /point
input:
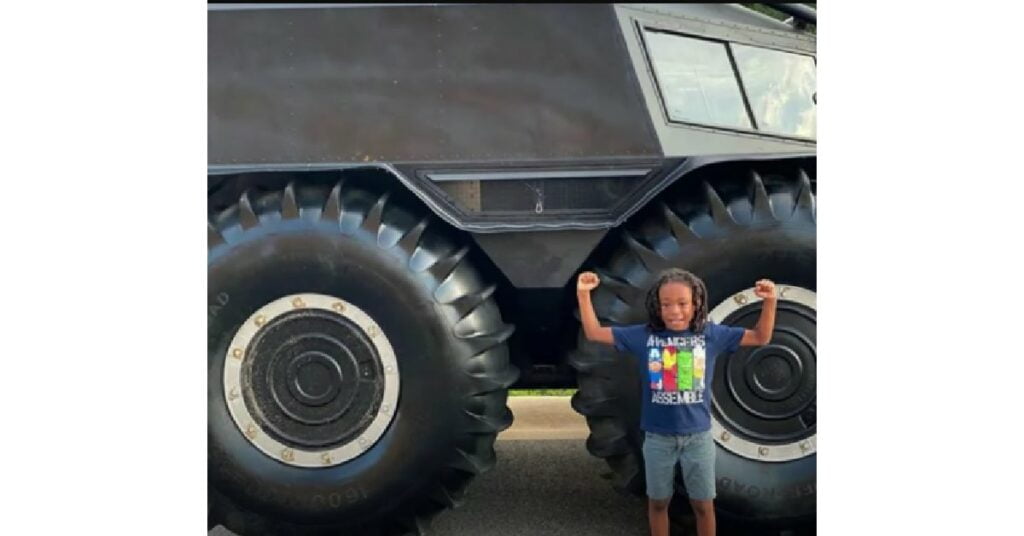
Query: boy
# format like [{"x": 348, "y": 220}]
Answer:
[{"x": 676, "y": 416}]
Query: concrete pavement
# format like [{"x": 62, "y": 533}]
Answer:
[{"x": 544, "y": 417}]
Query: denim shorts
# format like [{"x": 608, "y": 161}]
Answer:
[{"x": 696, "y": 456}]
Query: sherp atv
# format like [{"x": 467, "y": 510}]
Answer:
[{"x": 399, "y": 199}]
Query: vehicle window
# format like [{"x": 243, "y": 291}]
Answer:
[
  {"x": 697, "y": 81},
  {"x": 780, "y": 87}
]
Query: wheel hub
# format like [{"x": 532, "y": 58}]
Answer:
[
  {"x": 314, "y": 379},
  {"x": 311, "y": 380},
  {"x": 764, "y": 397},
  {"x": 770, "y": 372}
]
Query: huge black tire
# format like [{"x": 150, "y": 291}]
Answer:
[
  {"x": 732, "y": 227},
  {"x": 414, "y": 277}
]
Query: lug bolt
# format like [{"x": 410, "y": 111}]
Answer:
[
  {"x": 388, "y": 369},
  {"x": 260, "y": 320},
  {"x": 763, "y": 451},
  {"x": 287, "y": 455},
  {"x": 741, "y": 299},
  {"x": 340, "y": 307},
  {"x": 725, "y": 436},
  {"x": 236, "y": 353},
  {"x": 298, "y": 303}
]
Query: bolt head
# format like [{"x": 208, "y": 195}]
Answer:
[
  {"x": 287, "y": 455},
  {"x": 260, "y": 320},
  {"x": 763, "y": 451},
  {"x": 338, "y": 306},
  {"x": 298, "y": 303},
  {"x": 725, "y": 436},
  {"x": 236, "y": 353},
  {"x": 741, "y": 299},
  {"x": 805, "y": 446},
  {"x": 250, "y": 431},
  {"x": 326, "y": 457}
]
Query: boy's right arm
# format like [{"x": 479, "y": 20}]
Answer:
[{"x": 586, "y": 282}]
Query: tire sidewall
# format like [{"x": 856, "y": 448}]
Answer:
[{"x": 301, "y": 256}]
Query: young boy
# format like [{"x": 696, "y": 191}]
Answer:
[{"x": 676, "y": 351}]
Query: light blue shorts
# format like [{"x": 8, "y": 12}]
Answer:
[{"x": 696, "y": 456}]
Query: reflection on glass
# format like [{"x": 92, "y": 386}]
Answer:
[
  {"x": 780, "y": 87},
  {"x": 697, "y": 80}
]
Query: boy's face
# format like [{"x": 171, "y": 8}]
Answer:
[{"x": 676, "y": 301}]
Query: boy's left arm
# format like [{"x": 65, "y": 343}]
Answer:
[{"x": 762, "y": 332}]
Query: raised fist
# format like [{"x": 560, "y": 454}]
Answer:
[
  {"x": 765, "y": 289},
  {"x": 587, "y": 281}
]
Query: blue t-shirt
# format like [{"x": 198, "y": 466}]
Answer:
[{"x": 676, "y": 369}]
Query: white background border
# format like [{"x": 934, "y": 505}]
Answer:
[{"x": 104, "y": 253}]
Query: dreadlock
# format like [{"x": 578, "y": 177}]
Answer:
[{"x": 700, "y": 301}]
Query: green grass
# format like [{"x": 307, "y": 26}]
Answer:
[{"x": 541, "y": 392}]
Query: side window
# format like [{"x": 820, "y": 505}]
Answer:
[
  {"x": 697, "y": 80},
  {"x": 730, "y": 85},
  {"x": 780, "y": 87}
]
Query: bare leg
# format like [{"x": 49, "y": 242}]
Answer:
[
  {"x": 657, "y": 515},
  {"x": 705, "y": 513}
]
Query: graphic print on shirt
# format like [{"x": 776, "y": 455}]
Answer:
[
  {"x": 676, "y": 367},
  {"x": 654, "y": 366},
  {"x": 668, "y": 361}
]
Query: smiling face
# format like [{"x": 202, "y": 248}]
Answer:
[{"x": 676, "y": 303}]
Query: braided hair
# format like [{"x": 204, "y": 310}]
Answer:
[{"x": 700, "y": 299}]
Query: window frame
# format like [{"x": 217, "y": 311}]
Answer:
[{"x": 644, "y": 27}]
